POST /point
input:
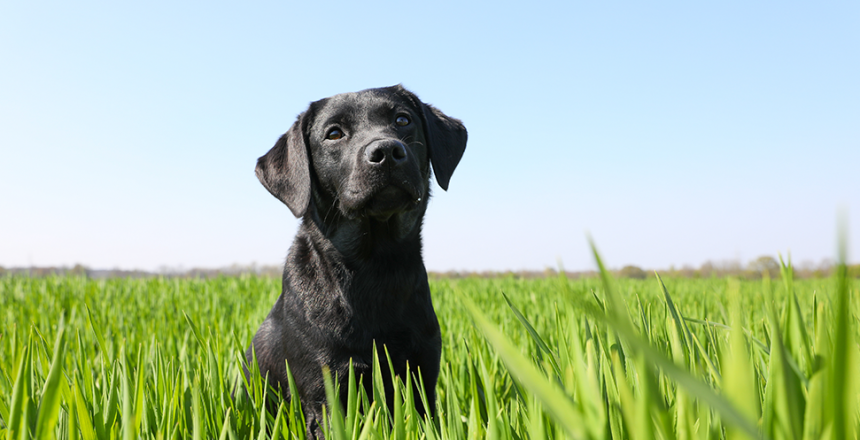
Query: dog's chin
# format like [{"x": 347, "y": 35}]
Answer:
[{"x": 383, "y": 204}]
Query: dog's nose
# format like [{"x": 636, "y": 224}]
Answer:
[{"x": 380, "y": 153}]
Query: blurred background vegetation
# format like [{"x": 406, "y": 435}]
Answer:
[{"x": 752, "y": 270}]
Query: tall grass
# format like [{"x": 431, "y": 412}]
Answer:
[{"x": 549, "y": 358}]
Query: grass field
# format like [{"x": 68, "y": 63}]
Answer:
[{"x": 545, "y": 358}]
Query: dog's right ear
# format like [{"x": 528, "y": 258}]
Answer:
[{"x": 285, "y": 169}]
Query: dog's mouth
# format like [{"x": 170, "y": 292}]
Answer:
[
  {"x": 382, "y": 202},
  {"x": 391, "y": 200}
]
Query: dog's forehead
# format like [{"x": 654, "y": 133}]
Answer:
[{"x": 362, "y": 105}]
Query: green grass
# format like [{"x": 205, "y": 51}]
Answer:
[{"x": 545, "y": 358}]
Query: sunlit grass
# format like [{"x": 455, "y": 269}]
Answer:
[{"x": 546, "y": 358}]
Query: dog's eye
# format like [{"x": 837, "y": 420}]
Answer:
[
  {"x": 402, "y": 121},
  {"x": 334, "y": 134}
]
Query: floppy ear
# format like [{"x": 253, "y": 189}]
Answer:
[
  {"x": 446, "y": 142},
  {"x": 285, "y": 169}
]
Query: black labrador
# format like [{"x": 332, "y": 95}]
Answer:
[{"x": 356, "y": 168}]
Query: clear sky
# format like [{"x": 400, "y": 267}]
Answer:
[{"x": 672, "y": 132}]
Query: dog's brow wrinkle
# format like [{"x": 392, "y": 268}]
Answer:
[{"x": 404, "y": 140}]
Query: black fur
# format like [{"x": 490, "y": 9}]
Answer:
[{"x": 354, "y": 274}]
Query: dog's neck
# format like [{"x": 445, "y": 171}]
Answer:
[
  {"x": 362, "y": 239},
  {"x": 365, "y": 240},
  {"x": 343, "y": 249},
  {"x": 378, "y": 274}
]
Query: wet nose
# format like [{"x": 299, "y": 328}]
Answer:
[{"x": 380, "y": 153}]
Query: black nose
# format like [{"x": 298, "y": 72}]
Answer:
[{"x": 384, "y": 152}]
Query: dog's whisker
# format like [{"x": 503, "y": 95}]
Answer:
[{"x": 331, "y": 208}]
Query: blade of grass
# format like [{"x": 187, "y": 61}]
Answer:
[
  {"x": 20, "y": 392},
  {"x": 684, "y": 378},
  {"x": 681, "y": 376},
  {"x": 543, "y": 347},
  {"x": 337, "y": 431},
  {"x": 296, "y": 415},
  {"x": 788, "y": 399},
  {"x": 225, "y": 428},
  {"x": 556, "y": 404},
  {"x": 587, "y": 390},
  {"x": 85, "y": 421},
  {"x": 97, "y": 332},
  {"x": 739, "y": 385},
  {"x": 684, "y": 332},
  {"x": 840, "y": 366}
]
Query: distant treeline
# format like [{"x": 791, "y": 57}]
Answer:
[
  {"x": 731, "y": 268},
  {"x": 80, "y": 270}
]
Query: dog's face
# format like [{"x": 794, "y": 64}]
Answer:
[
  {"x": 365, "y": 154},
  {"x": 369, "y": 153}
]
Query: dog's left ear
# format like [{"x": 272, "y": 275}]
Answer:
[{"x": 446, "y": 142}]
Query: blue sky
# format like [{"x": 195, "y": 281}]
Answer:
[{"x": 672, "y": 132}]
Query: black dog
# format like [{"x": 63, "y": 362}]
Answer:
[{"x": 356, "y": 168}]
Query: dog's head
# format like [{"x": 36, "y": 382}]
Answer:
[{"x": 365, "y": 154}]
